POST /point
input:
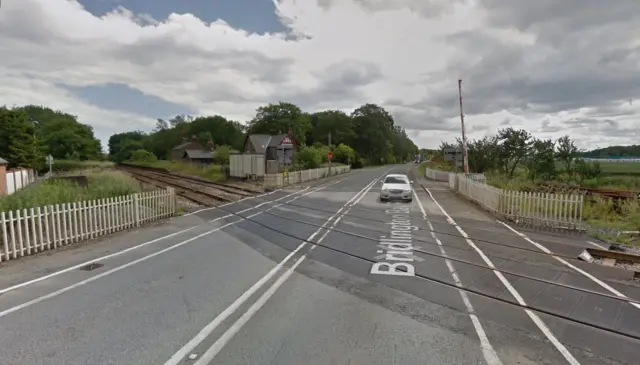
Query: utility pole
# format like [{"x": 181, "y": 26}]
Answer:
[
  {"x": 330, "y": 152},
  {"x": 465, "y": 156}
]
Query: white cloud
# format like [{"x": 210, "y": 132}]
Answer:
[{"x": 405, "y": 55}]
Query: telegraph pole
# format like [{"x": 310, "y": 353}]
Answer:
[{"x": 465, "y": 156}]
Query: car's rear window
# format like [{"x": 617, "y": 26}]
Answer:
[{"x": 395, "y": 180}]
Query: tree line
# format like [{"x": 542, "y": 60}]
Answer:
[
  {"x": 614, "y": 151},
  {"x": 512, "y": 151},
  {"x": 29, "y": 133},
  {"x": 368, "y": 135}
]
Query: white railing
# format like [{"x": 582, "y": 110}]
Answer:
[
  {"x": 437, "y": 175},
  {"x": 528, "y": 208},
  {"x": 25, "y": 232},
  {"x": 294, "y": 177}
]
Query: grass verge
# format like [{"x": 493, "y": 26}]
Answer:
[
  {"x": 211, "y": 172},
  {"x": 100, "y": 185}
]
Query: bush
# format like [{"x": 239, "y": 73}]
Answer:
[
  {"x": 309, "y": 158},
  {"x": 222, "y": 155},
  {"x": 143, "y": 156},
  {"x": 344, "y": 154}
]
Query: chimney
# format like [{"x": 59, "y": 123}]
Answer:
[{"x": 210, "y": 145}]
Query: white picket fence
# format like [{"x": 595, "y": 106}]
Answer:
[
  {"x": 527, "y": 208},
  {"x": 274, "y": 181},
  {"x": 25, "y": 232}
]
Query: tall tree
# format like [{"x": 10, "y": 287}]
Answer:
[
  {"x": 566, "y": 152},
  {"x": 279, "y": 118},
  {"x": 18, "y": 142},
  {"x": 62, "y": 135},
  {"x": 513, "y": 147},
  {"x": 338, "y": 123},
  {"x": 373, "y": 128}
]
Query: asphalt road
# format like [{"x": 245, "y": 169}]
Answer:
[{"x": 321, "y": 275}]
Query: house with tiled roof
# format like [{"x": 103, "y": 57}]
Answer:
[{"x": 192, "y": 150}]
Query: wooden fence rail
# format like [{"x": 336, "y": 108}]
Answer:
[
  {"x": 527, "y": 208},
  {"x": 28, "y": 231}
]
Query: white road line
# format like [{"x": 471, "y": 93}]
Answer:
[
  {"x": 534, "y": 317},
  {"x": 144, "y": 258},
  {"x": 594, "y": 244},
  {"x": 223, "y": 340},
  {"x": 489, "y": 353},
  {"x": 209, "y": 328},
  {"x": 570, "y": 265},
  {"x": 237, "y": 201},
  {"x": 106, "y": 257}
]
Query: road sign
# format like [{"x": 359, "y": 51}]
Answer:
[
  {"x": 453, "y": 154},
  {"x": 329, "y": 155},
  {"x": 49, "y": 159}
]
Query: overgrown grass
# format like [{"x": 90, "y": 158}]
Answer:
[
  {"x": 620, "y": 168},
  {"x": 71, "y": 165},
  {"x": 436, "y": 163},
  {"x": 620, "y": 182},
  {"x": 212, "y": 172},
  {"x": 100, "y": 185}
]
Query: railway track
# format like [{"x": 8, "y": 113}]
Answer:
[
  {"x": 199, "y": 191},
  {"x": 231, "y": 188},
  {"x": 605, "y": 193}
]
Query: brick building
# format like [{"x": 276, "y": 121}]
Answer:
[{"x": 3, "y": 176}]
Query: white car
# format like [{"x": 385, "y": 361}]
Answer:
[{"x": 396, "y": 186}]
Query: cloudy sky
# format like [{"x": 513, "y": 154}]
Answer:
[{"x": 553, "y": 67}]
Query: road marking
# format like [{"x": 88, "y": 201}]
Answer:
[
  {"x": 106, "y": 257},
  {"x": 534, "y": 317},
  {"x": 398, "y": 246},
  {"x": 490, "y": 355},
  {"x": 591, "y": 243},
  {"x": 144, "y": 258},
  {"x": 223, "y": 340},
  {"x": 570, "y": 265},
  {"x": 234, "y": 202}
]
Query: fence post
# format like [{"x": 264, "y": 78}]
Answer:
[
  {"x": 136, "y": 209},
  {"x": 5, "y": 239},
  {"x": 174, "y": 202}
]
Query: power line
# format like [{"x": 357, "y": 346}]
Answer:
[
  {"x": 610, "y": 296},
  {"x": 426, "y": 229},
  {"x": 467, "y": 289}
]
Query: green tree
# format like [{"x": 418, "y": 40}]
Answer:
[
  {"x": 122, "y": 145},
  {"x": 62, "y": 135},
  {"x": 482, "y": 154},
  {"x": 373, "y": 127},
  {"x": 221, "y": 130},
  {"x": 512, "y": 149},
  {"x": 18, "y": 142},
  {"x": 540, "y": 162},
  {"x": 335, "y": 122},
  {"x": 566, "y": 153},
  {"x": 587, "y": 170},
  {"x": 279, "y": 118}
]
